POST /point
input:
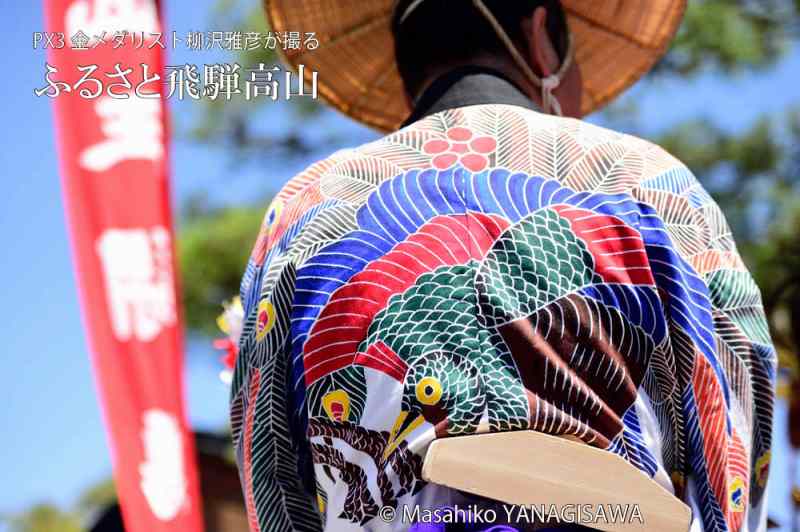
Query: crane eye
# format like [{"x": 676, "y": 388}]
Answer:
[{"x": 429, "y": 391}]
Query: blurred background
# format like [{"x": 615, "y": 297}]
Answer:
[{"x": 726, "y": 100}]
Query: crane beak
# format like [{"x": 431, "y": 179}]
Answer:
[{"x": 403, "y": 426}]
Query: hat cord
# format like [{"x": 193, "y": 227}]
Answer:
[{"x": 547, "y": 84}]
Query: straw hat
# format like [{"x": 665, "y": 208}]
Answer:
[{"x": 616, "y": 43}]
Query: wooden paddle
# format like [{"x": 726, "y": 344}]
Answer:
[{"x": 535, "y": 471}]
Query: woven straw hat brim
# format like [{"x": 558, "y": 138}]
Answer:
[{"x": 616, "y": 43}]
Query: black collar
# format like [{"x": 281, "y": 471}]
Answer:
[{"x": 470, "y": 85}]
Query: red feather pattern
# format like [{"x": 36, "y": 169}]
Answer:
[
  {"x": 725, "y": 456},
  {"x": 617, "y": 248},
  {"x": 442, "y": 241}
]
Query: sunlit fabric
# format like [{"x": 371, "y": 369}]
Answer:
[{"x": 491, "y": 268}]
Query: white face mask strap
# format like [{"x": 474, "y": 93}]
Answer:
[
  {"x": 410, "y": 9},
  {"x": 548, "y": 84},
  {"x": 549, "y": 100}
]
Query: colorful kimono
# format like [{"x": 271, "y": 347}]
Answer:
[{"x": 491, "y": 268}]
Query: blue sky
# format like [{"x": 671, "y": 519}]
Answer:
[{"x": 53, "y": 443}]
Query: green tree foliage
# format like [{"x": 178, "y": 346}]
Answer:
[
  {"x": 776, "y": 261},
  {"x": 213, "y": 248},
  {"x": 732, "y": 35},
  {"x": 97, "y": 496},
  {"x": 45, "y": 518}
]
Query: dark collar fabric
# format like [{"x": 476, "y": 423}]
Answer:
[{"x": 465, "y": 86}]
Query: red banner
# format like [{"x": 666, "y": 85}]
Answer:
[{"x": 104, "y": 74}]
